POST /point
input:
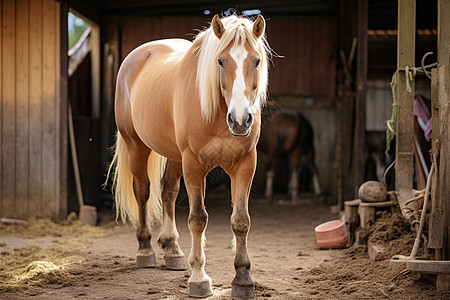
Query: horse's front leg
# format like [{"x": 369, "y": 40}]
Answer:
[
  {"x": 168, "y": 237},
  {"x": 194, "y": 178},
  {"x": 241, "y": 180}
]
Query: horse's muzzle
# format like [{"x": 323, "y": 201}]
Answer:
[{"x": 243, "y": 127}]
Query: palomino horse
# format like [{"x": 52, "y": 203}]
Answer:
[
  {"x": 183, "y": 108},
  {"x": 287, "y": 133}
]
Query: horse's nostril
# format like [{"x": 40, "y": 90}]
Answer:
[
  {"x": 230, "y": 118},
  {"x": 249, "y": 120}
]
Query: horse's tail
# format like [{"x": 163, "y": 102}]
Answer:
[{"x": 125, "y": 200}]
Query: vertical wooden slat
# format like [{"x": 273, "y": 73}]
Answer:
[
  {"x": 405, "y": 107},
  {"x": 444, "y": 111},
  {"x": 8, "y": 109},
  {"x": 22, "y": 109},
  {"x": 49, "y": 104},
  {"x": 63, "y": 92},
  {"x": 35, "y": 153},
  {"x": 360, "y": 110},
  {"x": 436, "y": 235},
  {"x": 1, "y": 105}
]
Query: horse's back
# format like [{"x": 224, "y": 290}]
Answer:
[
  {"x": 152, "y": 54},
  {"x": 140, "y": 92}
]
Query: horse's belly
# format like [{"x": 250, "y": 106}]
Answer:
[{"x": 155, "y": 128}]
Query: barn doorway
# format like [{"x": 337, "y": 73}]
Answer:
[{"x": 84, "y": 101}]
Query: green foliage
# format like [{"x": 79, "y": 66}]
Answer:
[{"x": 76, "y": 28}]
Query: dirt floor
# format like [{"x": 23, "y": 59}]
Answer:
[{"x": 286, "y": 263}]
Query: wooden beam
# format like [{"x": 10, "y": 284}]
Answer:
[
  {"x": 64, "y": 94},
  {"x": 360, "y": 109},
  {"x": 405, "y": 107},
  {"x": 443, "y": 192},
  {"x": 436, "y": 235}
]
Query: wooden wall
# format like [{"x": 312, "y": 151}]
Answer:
[
  {"x": 308, "y": 45},
  {"x": 30, "y": 99}
]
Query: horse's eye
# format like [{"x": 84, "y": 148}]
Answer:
[
  {"x": 257, "y": 62},
  {"x": 220, "y": 62}
]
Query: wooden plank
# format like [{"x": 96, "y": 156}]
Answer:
[
  {"x": 436, "y": 235},
  {"x": 49, "y": 109},
  {"x": 8, "y": 109},
  {"x": 1, "y": 105},
  {"x": 361, "y": 82},
  {"x": 405, "y": 108},
  {"x": 62, "y": 45},
  {"x": 35, "y": 152},
  {"x": 22, "y": 109},
  {"x": 444, "y": 107}
]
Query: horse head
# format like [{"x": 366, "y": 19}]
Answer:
[{"x": 241, "y": 69}]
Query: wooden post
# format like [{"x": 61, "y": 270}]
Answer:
[
  {"x": 64, "y": 91},
  {"x": 435, "y": 237},
  {"x": 443, "y": 192},
  {"x": 405, "y": 108},
  {"x": 360, "y": 109}
]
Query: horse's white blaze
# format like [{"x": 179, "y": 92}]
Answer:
[{"x": 238, "y": 100}]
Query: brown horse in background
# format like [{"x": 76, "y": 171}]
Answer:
[
  {"x": 184, "y": 108},
  {"x": 287, "y": 133}
]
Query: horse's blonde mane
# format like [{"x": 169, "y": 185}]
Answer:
[{"x": 237, "y": 29}]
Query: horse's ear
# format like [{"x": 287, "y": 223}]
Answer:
[
  {"x": 217, "y": 26},
  {"x": 259, "y": 26}
]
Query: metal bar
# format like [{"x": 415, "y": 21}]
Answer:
[{"x": 405, "y": 112}]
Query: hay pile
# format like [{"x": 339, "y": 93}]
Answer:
[
  {"x": 27, "y": 269},
  {"x": 37, "y": 227}
]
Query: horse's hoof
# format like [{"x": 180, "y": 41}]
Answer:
[
  {"x": 242, "y": 292},
  {"x": 145, "y": 261},
  {"x": 200, "y": 290},
  {"x": 176, "y": 263}
]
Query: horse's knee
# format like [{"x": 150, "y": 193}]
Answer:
[
  {"x": 240, "y": 222},
  {"x": 198, "y": 220}
]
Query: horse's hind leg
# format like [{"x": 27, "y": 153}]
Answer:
[
  {"x": 270, "y": 174},
  {"x": 168, "y": 237},
  {"x": 316, "y": 182},
  {"x": 138, "y": 156},
  {"x": 293, "y": 182}
]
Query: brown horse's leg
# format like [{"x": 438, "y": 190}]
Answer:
[
  {"x": 293, "y": 182},
  {"x": 316, "y": 182},
  {"x": 194, "y": 178},
  {"x": 270, "y": 174},
  {"x": 138, "y": 155},
  {"x": 168, "y": 237},
  {"x": 241, "y": 180}
]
